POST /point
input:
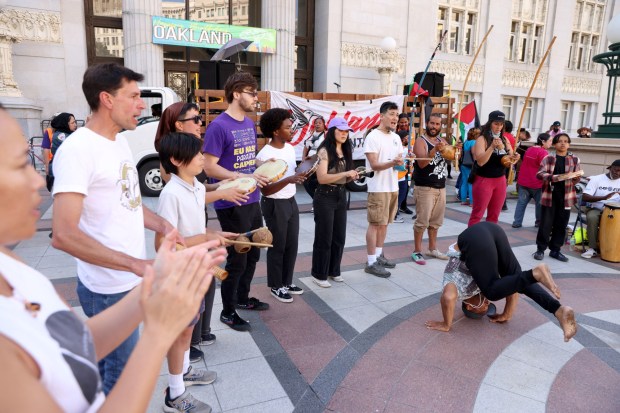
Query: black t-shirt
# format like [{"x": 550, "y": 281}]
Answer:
[
  {"x": 434, "y": 174},
  {"x": 559, "y": 188},
  {"x": 493, "y": 168}
]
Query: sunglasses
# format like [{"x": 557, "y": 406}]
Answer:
[{"x": 197, "y": 119}]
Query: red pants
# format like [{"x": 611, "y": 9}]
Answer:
[{"x": 489, "y": 194}]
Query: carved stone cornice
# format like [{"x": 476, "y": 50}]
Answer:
[
  {"x": 581, "y": 85},
  {"x": 18, "y": 25},
  {"x": 372, "y": 57},
  {"x": 457, "y": 71},
  {"x": 523, "y": 79},
  {"x": 30, "y": 25}
]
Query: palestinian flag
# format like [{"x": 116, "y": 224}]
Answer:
[{"x": 469, "y": 119}]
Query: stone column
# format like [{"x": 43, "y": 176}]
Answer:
[
  {"x": 8, "y": 85},
  {"x": 140, "y": 53},
  {"x": 278, "y": 69}
]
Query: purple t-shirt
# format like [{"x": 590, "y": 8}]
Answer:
[{"x": 234, "y": 143}]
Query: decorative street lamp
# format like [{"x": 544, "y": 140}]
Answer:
[
  {"x": 611, "y": 60},
  {"x": 389, "y": 63}
]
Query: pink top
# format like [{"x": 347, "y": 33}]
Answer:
[{"x": 530, "y": 166}]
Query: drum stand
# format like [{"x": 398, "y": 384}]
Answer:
[{"x": 579, "y": 221}]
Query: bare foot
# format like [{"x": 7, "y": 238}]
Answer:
[
  {"x": 566, "y": 317},
  {"x": 438, "y": 325},
  {"x": 542, "y": 274}
]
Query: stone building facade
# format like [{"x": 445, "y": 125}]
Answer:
[{"x": 45, "y": 46}]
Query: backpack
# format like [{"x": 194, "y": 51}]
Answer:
[{"x": 468, "y": 159}]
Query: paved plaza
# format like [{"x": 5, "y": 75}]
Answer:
[{"x": 361, "y": 345}]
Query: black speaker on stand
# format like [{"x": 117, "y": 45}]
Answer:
[
  {"x": 433, "y": 83},
  {"x": 213, "y": 75}
]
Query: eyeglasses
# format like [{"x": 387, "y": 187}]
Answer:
[
  {"x": 197, "y": 119},
  {"x": 253, "y": 94}
]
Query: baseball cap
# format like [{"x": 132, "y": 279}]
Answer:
[
  {"x": 614, "y": 163},
  {"x": 497, "y": 115},
  {"x": 556, "y": 123},
  {"x": 340, "y": 124}
]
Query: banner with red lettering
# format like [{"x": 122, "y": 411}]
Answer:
[{"x": 361, "y": 115}]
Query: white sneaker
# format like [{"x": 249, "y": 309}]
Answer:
[
  {"x": 589, "y": 253},
  {"x": 438, "y": 254},
  {"x": 321, "y": 283},
  {"x": 337, "y": 278}
]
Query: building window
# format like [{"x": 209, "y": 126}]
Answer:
[
  {"x": 564, "y": 112},
  {"x": 587, "y": 24},
  {"x": 304, "y": 45},
  {"x": 527, "y": 31},
  {"x": 459, "y": 18},
  {"x": 582, "y": 116},
  {"x": 507, "y": 106},
  {"x": 107, "y": 8}
]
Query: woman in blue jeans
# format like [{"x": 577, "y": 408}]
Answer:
[
  {"x": 330, "y": 202},
  {"x": 528, "y": 185},
  {"x": 465, "y": 191}
]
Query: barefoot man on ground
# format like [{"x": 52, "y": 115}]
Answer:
[{"x": 487, "y": 255}]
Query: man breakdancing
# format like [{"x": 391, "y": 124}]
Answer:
[{"x": 486, "y": 253}]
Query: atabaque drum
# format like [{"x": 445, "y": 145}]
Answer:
[{"x": 609, "y": 232}]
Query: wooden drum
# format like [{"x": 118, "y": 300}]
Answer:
[
  {"x": 609, "y": 232},
  {"x": 246, "y": 184},
  {"x": 273, "y": 170}
]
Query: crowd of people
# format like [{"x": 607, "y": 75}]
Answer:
[{"x": 99, "y": 219}]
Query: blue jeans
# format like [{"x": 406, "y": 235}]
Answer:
[
  {"x": 525, "y": 195},
  {"x": 403, "y": 187},
  {"x": 465, "y": 190},
  {"x": 110, "y": 367}
]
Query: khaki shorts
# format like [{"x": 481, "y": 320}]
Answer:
[
  {"x": 430, "y": 205},
  {"x": 382, "y": 207}
]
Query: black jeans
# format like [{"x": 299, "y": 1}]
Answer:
[
  {"x": 282, "y": 219},
  {"x": 203, "y": 326},
  {"x": 330, "y": 230},
  {"x": 311, "y": 184},
  {"x": 488, "y": 256},
  {"x": 552, "y": 229},
  {"x": 240, "y": 267}
]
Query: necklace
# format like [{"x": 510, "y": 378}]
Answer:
[{"x": 31, "y": 307}]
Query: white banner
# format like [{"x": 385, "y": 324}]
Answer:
[{"x": 361, "y": 115}]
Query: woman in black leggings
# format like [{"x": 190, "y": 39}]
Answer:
[{"x": 486, "y": 252}]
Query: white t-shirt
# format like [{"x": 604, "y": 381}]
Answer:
[
  {"x": 183, "y": 205},
  {"x": 387, "y": 147},
  {"x": 104, "y": 171},
  {"x": 56, "y": 339},
  {"x": 600, "y": 185},
  {"x": 314, "y": 141},
  {"x": 287, "y": 154}
]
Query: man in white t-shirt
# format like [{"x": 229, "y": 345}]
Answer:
[
  {"x": 98, "y": 216},
  {"x": 601, "y": 189},
  {"x": 279, "y": 205},
  {"x": 383, "y": 151}
]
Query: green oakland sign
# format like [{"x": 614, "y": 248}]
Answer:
[{"x": 210, "y": 35}]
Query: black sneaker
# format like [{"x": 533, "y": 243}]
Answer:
[
  {"x": 539, "y": 255},
  {"x": 195, "y": 355},
  {"x": 405, "y": 211},
  {"x": 208, "y": 339},
  {"x": 516, "y": 225},
  {"x": 253, "y": 304},
  {"x": 293, "y": 289},
  {"x": 558, "y": 256},
  {"x": 235, "y": 322},
  {"x": 281, "y": 294}
]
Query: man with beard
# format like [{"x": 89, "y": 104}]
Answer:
[
  {"x": 555, "y": 129},
  {"x": 430, "y": 191},
  {"x": 230, "y": 152},
  {"x": 383, "y": 150}
]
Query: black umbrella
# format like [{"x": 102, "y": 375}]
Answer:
[{"x": 231, "y": 47}]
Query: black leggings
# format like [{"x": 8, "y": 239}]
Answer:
[{"x": 487, "y": 254}]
